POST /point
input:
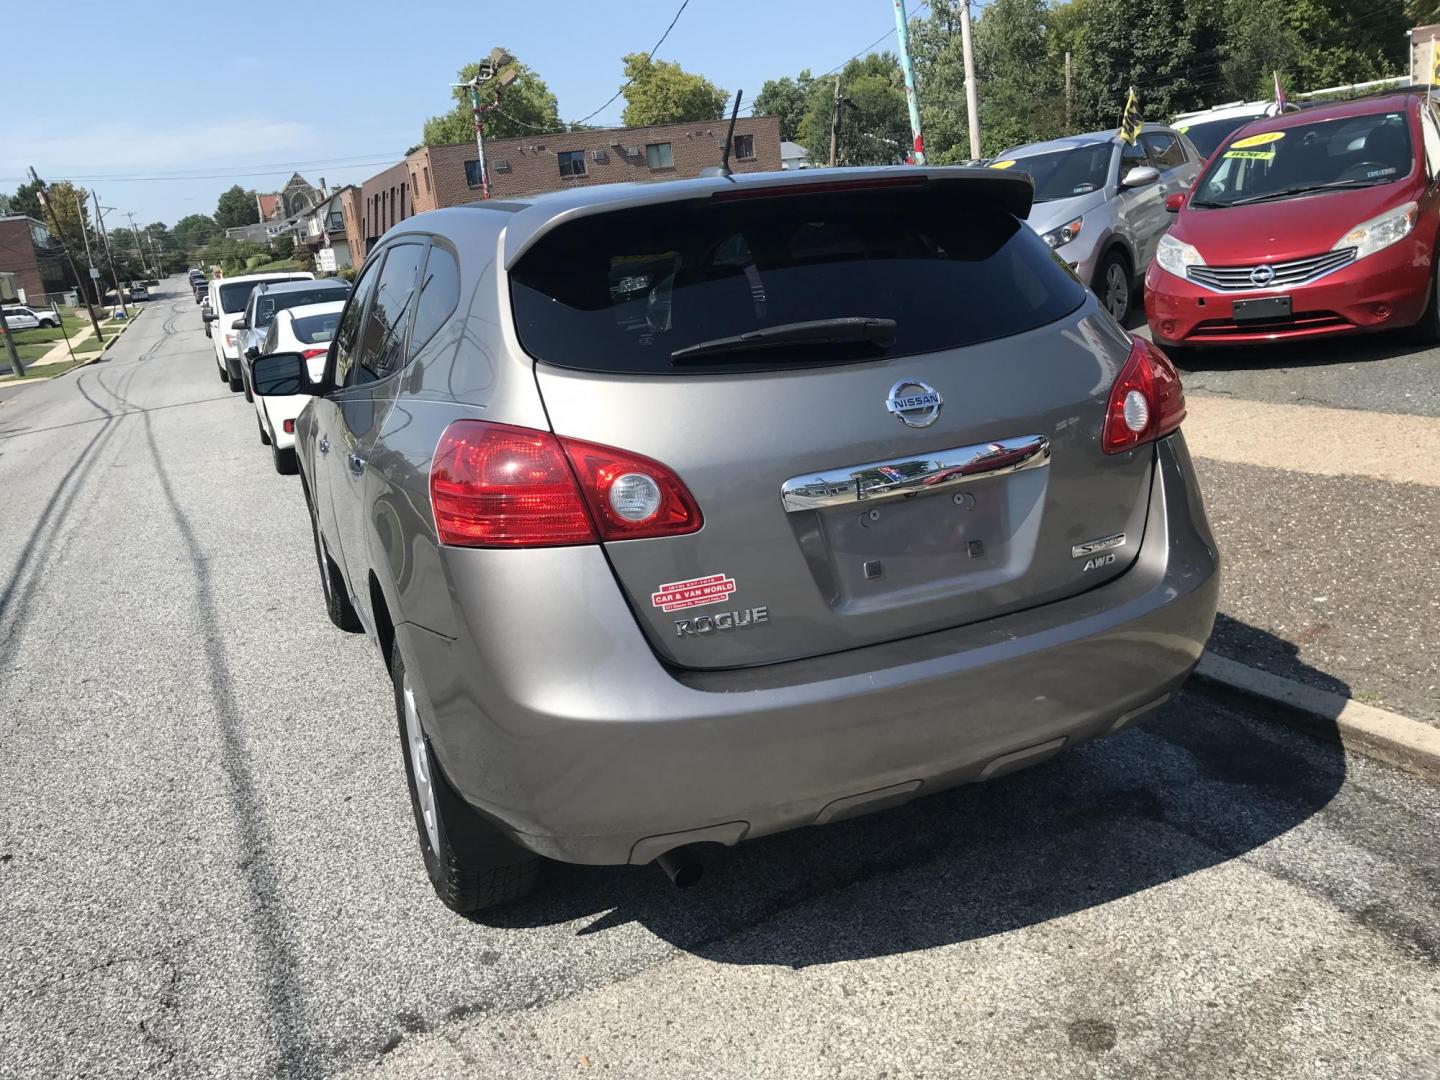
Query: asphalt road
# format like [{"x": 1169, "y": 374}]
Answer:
[{"x": 208, "y": 866}]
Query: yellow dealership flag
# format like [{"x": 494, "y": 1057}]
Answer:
[
  {"x": 1434, "y": 61},
  {"x": 1131, "y": 121}
]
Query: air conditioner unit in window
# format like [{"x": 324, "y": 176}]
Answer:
[
  {"x": 502, "y": 166},
  {"x": 632, "y": 151},
  {"x": 600, "y": 157}
]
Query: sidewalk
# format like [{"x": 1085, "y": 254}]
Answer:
[{"x": 1325, "y": 519}]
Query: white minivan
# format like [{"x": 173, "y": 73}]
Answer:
[{"x": 228, "y": 297}]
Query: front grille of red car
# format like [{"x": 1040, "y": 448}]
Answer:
[
  {"x": 1274, "y": 275},
  {"x": 1304, "y": 322}
]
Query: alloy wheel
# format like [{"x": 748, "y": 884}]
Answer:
[{"x": 1117, "y": 291}]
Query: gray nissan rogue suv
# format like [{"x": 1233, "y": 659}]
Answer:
[{"x": 689, "y": 512}]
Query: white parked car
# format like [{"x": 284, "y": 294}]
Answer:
[
  {"x": 228, "y": 297},
  {"x": 20, "y": 317},
  {"x": 307, "y": 330},
  {"x": 1208, "y": 128}
]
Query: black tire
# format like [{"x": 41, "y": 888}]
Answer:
[
  {"x": 235, "y": 385},
  {"x": 471, "y": 864},
  {"x": 49, "y": 324},
  {"x": 264, "y": 435},
  {"x": 1114, "y": 286},
  {"x": 285, "y": 462},
  {"x": 332, "y": 585}
]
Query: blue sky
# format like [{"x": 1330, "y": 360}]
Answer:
[{"x": 217, "y": 91}]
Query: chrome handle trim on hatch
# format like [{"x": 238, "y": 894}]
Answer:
[
  {"x": 324, "y": 444},
  {"x": 909, "y": 477}
]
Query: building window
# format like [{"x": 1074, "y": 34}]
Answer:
[
  {"x": 744, "y": 147},
  {"x": 403, "y": 215},
  {"x": 426, "y": 170},
  {"x": 472, "y": 173},
  {"x": 572, "y": 162},
  {"x": 657, "y": 155}
]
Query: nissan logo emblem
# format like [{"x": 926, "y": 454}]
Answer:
[
  {"x": 914, "y": 403},
  {"x": 1262, "y": 275}
]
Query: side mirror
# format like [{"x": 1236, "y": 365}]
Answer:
[
  {"x": 1175, "y": 201},
  {"x": 252, "y": 352},
  {"x": 207, "y": 314},
  {"x": 281, "y": 375},
  {"x": 1140, "y": 176},
  {"x": 243, "y": 323}
]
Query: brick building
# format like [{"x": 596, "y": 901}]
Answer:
[
  {"x": 29, "y": 252},
  {"x": 437, "y": 176}
]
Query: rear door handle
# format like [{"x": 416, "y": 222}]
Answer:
[{"x": 357, "y": 464}]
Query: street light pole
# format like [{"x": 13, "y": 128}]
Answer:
[
  {"x": 902, "y": 37},
  {"x": 489, "y": 68}
]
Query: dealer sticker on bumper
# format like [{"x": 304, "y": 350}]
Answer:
[{"x": 697, "y": 592}]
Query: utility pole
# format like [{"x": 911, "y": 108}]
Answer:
[
  {"x": 139, "y": 248},
  {"x": 15, "y": 365},
  {"x": 43, "y": 192},
  {"x": 835, "y": 122},
  {"x": 109, "y": 256},
  {"x": 489, "y": 69},
  {"x": 1069, "y": 95},
  {"x": 85, "y": 232},
  {"x": 902, "y": 37},
  {"x": 972, "y": 103}
]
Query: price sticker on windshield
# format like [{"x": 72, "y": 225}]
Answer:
[
  {"x": 1250, "y": 155},
  {"x": 1263, "y": 139}
]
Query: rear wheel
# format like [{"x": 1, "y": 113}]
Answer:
[
  {"x": 471, "y": 864},
  {"x": 332, "y": 585},
  {"x": 1112, "y": 285}
]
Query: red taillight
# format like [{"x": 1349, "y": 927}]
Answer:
[
  {"x": 289, "y": 426},
  {"x": 493, "y": 485},
  {"x": 308, "y": 353},
  {"x": 1146, "y": 402}
]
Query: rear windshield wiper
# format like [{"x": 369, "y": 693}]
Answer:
[
  {"x": 1285, "y": 193},
  {"x": 846, "y": 330}
]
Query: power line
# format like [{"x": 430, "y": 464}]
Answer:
[
  {"x": 209, "y": 176},
  {"x": 651, "y": 54}
]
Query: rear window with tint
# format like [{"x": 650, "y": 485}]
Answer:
[
  {"x": 310, "y": 329},
  {"x": 619, "y": 292},
  {"x": 269, "y": 304}
]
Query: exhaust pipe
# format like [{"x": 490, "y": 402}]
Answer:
[{"x": 682, "y": 866}]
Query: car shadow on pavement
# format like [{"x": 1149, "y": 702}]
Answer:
[
  {"x": 1308, "y": 353},
  {"x": 1197, "y": 785}
]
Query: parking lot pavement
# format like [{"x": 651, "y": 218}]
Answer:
[{"x": 208, "y": 865}]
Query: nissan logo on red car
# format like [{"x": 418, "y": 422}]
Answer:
[{"x": 1314, "y": 223}]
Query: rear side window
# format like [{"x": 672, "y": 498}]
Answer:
[
  {"x": 620, "y": 292},
  {"x": 439, "y": 296},
  {"x": 1165, "y": 150},
  {"x": 383, "y": 346}
]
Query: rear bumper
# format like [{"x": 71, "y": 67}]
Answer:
[
  {"x": 1386, "y": 290},
  {"x": 552, "y": 715}
]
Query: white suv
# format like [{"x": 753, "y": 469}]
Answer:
[
  {"x": 20, "y": 317},
  {"x": 228, "y": 297}
]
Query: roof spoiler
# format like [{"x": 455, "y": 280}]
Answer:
[{"x": 1013, "y": 192}]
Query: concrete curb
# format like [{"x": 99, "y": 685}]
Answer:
[{"x": 1361, "y": 729}]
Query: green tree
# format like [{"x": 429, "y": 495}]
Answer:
[
  {"x": 788, "y": 99},
  {"x": 659, "y": 92},
  {"x": 1024, "y": 98},
  {"x": 236, "y": 207},
  {"x": 195, "y": 231},
  {"x": 1168, "y": 49},
  {"x": 26, "y": 200},
  {"x": 527, "y": 107},
  {"x": 1311, "y": 43},
  {"x": 874, "y": 122}
]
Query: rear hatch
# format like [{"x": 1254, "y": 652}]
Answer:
[{"x": 944, "y": 471}]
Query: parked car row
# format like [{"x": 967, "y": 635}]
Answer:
[
  {"x": 1291, "y": 222},
  {"x": 23, "y": 317},
  {"x": 690, "y": 512},
  {"x": 257, "y": 314}
]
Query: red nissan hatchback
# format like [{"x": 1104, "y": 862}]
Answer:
[{"x": 1313, "y": 223}]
